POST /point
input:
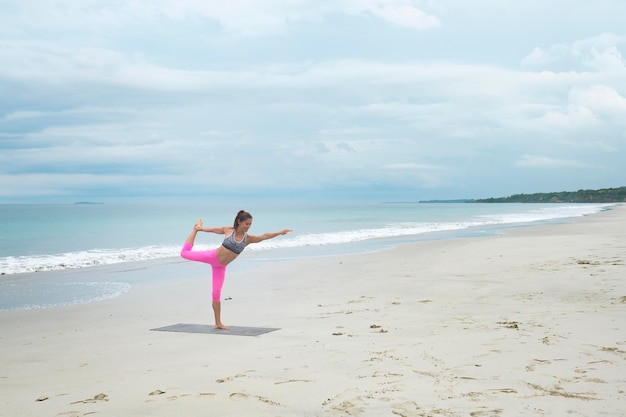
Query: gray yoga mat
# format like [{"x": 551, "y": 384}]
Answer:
[{"x": 210, "y": 329}]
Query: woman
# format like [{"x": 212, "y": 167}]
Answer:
[{"x": 237, "y": 238}]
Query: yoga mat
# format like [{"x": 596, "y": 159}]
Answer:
[{"x": 210, "y": 329}]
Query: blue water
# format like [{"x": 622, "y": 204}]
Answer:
[{"x": 53, "y": 255}]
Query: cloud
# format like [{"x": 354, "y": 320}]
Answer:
[
  {"x": 538, "y": 58},
  {"x": 589, "y": 108},
  {"x": 251, "y": 17},
  {"x": 403, "y": 14},
  {"x": 605, "y": 101},
  {"x": 599, "y": 53},
  {"x": 248, "y": 18},
  {"x": 410, "y": 167},
  {"x": 161, "y": 97},
  {"x": 537, "y": 161},
  {"x": 345, "y": 146}
]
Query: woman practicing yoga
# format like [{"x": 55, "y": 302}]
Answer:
[{"x": 237, "y": 238}]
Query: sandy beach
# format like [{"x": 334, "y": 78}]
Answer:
[{"x": 529, "y": 323}]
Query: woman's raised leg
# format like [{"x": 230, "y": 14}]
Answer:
[
  {"x": 218, "y": 271},
  {"x": 187, "y": 252},
  {"x": 196, "y": 228}
]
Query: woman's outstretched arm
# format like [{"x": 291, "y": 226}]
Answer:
[
  {"x": 266, "y": 236},
  {"x": 218, "y": 230}
]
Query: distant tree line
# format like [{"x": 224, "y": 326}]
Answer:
[{"x": 605, "y": 195}]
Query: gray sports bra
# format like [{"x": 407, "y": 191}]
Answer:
[{"x": 231, "y": 244}]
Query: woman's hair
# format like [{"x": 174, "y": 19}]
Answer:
[{"x": 242, "y": 216}]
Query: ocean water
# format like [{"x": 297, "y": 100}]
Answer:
[{"x": 52, "y": 255}]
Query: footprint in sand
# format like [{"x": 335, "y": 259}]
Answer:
[
  {"x": 531, "y": 367},
  {"x": 376, "y": 326},
  {"x": 292, "y": 380},
  {"x": 349, "y": 402},
  {"x": 503, "y": 390},
  {"x": 509, "y": 324},
  {"x": 97, "y": 397},
  {"x": 613, "y": 350},
  {"x": 408, "y": 408},
  {"x": 557, "y": 391},
  {"x": 242, "y": 396},
  {"x": 230, "y": 378},
  {"x": 487, "y": 413}
]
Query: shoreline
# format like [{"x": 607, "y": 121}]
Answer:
[{"x": 531, "y": 322}]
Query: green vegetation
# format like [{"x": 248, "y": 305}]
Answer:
[{"x": 605, "y": 195}]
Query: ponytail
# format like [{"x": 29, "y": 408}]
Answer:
[{"x": 242, "y": 216}]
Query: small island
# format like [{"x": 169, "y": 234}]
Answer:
[
  {"x": 604, "y": 195},
  {"x": 87, "y": 202}
]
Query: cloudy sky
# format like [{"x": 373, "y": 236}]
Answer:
[{"x": 385, "y": 99}]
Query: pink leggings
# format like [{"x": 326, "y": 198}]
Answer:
[{"x": 208, "y": 257}]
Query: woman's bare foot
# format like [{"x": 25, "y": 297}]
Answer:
[
  {"x": 222, "y": 326},
  {"x": 198, "y": 225}
]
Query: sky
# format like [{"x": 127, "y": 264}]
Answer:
[{"x": 392, "y": 100}]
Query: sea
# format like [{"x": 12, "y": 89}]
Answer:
[{"x": 60, "y": 254}]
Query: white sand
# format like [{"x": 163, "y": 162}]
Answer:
[{"x": 532, "y": 323}]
